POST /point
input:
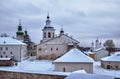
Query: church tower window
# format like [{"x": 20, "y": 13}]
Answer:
[
  {"x": 49, "y": 35},
  {"x": 45, "y": 35},
  {"x": 53, "y": 35}
]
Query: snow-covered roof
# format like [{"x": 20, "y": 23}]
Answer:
[
  {"x": 5, "y": 58},
  {"x": 74, "y": 55},
  {"x": 88, "y": 76},
  {"x": 115, "y": 57},
  {"x": 80, "y": 71},
  {"x": 10, "y": 41},
  {"x": 117, "y": 53},
  {"x": 89, "y": 52},
  {"x": 99, "y": 49}
]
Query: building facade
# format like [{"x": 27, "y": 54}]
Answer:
[
  {"x": 52, "y": 46},
  {"x": 12, "y": 48}
]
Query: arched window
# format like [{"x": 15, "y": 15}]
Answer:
[
  {"x": 45, "y": 35},
  {"x": 49, "y": 35}
]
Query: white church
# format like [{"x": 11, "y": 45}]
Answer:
[
  {"x": 52, "y": 46},
  {"x": 97, "y": 50}
]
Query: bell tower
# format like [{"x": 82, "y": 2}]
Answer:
[
  {"x": 48, "y": 30},
  {"x": 20, "y": 33}
]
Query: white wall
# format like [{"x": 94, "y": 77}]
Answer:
[
  {"x": 18, "y": 51},
  {"x": 100, "y": 54},
  {"x": 70, "y": 67}
]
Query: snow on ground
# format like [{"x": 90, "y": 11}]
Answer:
[
  {"x": 99, "y": 70},
  {"x": 37, "y": 65},
  {"x": 34, "y": 66},
  {"x": 47, "y": 67}
]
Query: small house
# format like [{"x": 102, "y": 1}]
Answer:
[
  {"x": 74, "y": 60},
  {"x": 111, "y": 62}
]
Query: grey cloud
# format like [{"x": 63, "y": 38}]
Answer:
[{"x": 87, "y": 19}]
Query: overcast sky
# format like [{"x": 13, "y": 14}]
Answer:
[{"x": 85, "y": 20}]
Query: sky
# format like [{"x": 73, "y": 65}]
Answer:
[{"x": 84, "y": 20}]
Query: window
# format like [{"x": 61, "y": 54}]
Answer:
[
  {"x": 116, "y": 67},
  {"x": 57, "y": 49},
  {"x": 4, "y": 52},
  {"x": 51, "y": 49},
  {"x": 11, "y": 53},
  {"x": 1, "y": 48},
  {"x": 53, "y": 35},
  {"x": 6, "y": 48},
  {"x": 1, "y": 56},
  {"x": 45, "y": 35},
  {"x": 49, "y": 35},
  {"x": 111, "y": 66},
  {"x": 64, "y": 69},
  {"x": 108, "y": 66},
  {"x": 6, "y": 56},
  {"x": 39, "y": 49}
]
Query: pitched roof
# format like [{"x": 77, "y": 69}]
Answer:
[
  {"x": 59, "y": 37},
  {"x": 99, "y": 49},
  {"x": 74, "y": 55},
  {"x": 88, "y": 76},
  {"x": 10, "y": 41},
  {"x": 115, "y": 57}
]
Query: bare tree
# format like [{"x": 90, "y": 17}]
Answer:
[{"x": 109, "y": 45}]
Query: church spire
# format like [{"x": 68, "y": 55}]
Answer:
[
  {"x": 61, "y": 31},
  {"x": 48, "y": 21},
  {"x": 19, "y": 22},
  {"x": 19, "y": 26},
  {"x": 97, "y": 40},
  {"x": 19, "y": 33},
  {"x": 48, "y": 15},
  {"x": 48, "y": 30}
]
